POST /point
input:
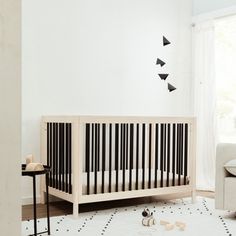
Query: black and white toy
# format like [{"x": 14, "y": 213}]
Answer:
[{"x": 148, "y": 219}]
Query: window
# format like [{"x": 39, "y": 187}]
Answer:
[{"x": 225, "y": 55}]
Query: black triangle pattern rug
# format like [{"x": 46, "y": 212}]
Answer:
[{"x": 200, "y": 218}]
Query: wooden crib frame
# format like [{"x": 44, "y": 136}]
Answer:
[{"x": 77, "y": 128}]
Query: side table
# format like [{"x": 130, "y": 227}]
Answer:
[{"x": 33, "y": 174}]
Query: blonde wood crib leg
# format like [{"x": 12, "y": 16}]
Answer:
[
  {"x": 75, "y": 210},
  {"x": 42, "y": 191},
  {"x": 194, "y": 196},
  {"x": 42, "y": 197}
]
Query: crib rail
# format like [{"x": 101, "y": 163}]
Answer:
[{"x": 101, "y": 155}]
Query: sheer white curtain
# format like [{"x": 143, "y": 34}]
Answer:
[{"x": 204, "y": 103}]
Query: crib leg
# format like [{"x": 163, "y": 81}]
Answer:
[
  {"x": 42, "y": 198},
  {"x": 193, "y": 196},
  {"x": 75, "y": 210}
]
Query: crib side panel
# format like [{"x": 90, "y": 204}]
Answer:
[
  {"x": 57, "y": 152},
  {"x": 102, "y": 158}
]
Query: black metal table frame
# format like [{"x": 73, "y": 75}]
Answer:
[{"x": 33, "y": 174}]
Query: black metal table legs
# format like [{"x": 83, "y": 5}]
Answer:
[
  {"x": 48, "y": 216},
  {"x": 35, "y": 207}
]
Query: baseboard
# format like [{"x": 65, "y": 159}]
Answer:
[
  {"x": 29, "y": 200},
  {"x": 172, "y": 196}
]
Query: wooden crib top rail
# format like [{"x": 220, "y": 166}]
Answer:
[{"x": 120, "y": 119}]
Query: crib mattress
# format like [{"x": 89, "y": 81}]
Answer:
[{"x": 127, "y": 180}]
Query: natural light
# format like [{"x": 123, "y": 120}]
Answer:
[{"x": 226, "y": 78}]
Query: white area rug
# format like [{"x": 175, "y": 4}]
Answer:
[{"x": 201, "y": 219}]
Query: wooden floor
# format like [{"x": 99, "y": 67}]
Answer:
[{"x": 65, "y": 208}]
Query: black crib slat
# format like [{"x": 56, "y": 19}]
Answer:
[
  {"x": 156, "y": 153},
  {"x": 173, "y": 153},
  {"x": 87, "y": 154},
  {"x": 67, "y": 156},
  {"x": 164, "y": 147},
  {"x": 98, "y": 149},
  {"x": 51, "y": 152},
  {"x": 54, "y": 156},
  {"x": 63, "y": 157},
  {"x": 70, "y": 158},
  {"x": 186, "y": 154},
  {"x": 183, "y": 140},
  {"x": 92, "y": 154},
  {"x": 162, "y": 153},
  {"x": 137, "y": 155},
  {"x": 50, "y": 149},
  {"x": 59, "y": 156},
  {"x": 143, "y": 154},
  {"x": 103, "y": 154},
  {"x": 150, "y": 155},
  {"x": 48, "y": 144},
  {"x": 123, "y": 157},
  {"x": 181, "y": 153},
  {"x": 177, "y": 149},
  {"x": 117, "y": 154},
  {"x": 126, "y": 147},
  {"x": 121, "y": 146},
  {"x": 131, "y": 155},
  {"x": 178, "y": 152},
  {"x": 168, "y": 154},
  {"x": 110, "y": 156},
  {"x": 96, "y": 157},
  {"x": 182, "y": 149}
]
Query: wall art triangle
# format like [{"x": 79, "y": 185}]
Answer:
[
  {"x": 163, "y": 76},
  {"x": 171, "y": 88},
  {"x": 160, "y": 62},
  {"x": 166, "y": 41}
]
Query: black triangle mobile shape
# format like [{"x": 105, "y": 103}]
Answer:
[
  {"x": 163, "y": 76},
  {"x": 171, "y": 88},
  {"x": 165, "y": 41},
  {"x": 160, "y": 62}
]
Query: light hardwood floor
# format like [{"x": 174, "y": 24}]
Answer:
[{"x": 66, "y": 208}]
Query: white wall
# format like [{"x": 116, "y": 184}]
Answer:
[
  {"x": 97, "y": 57},
  {"x": 10, "y": 118},
  {"x": 203, "y": 6}
]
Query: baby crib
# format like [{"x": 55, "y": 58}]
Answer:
[{"x": 96, "y": 158}]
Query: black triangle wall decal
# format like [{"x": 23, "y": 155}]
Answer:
[
  {"x": 163, "y": 76},
  {"x": 171, "y": 88},
  {"x": 165, "y": 41},
  {"x": 160, "y": 62}
]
